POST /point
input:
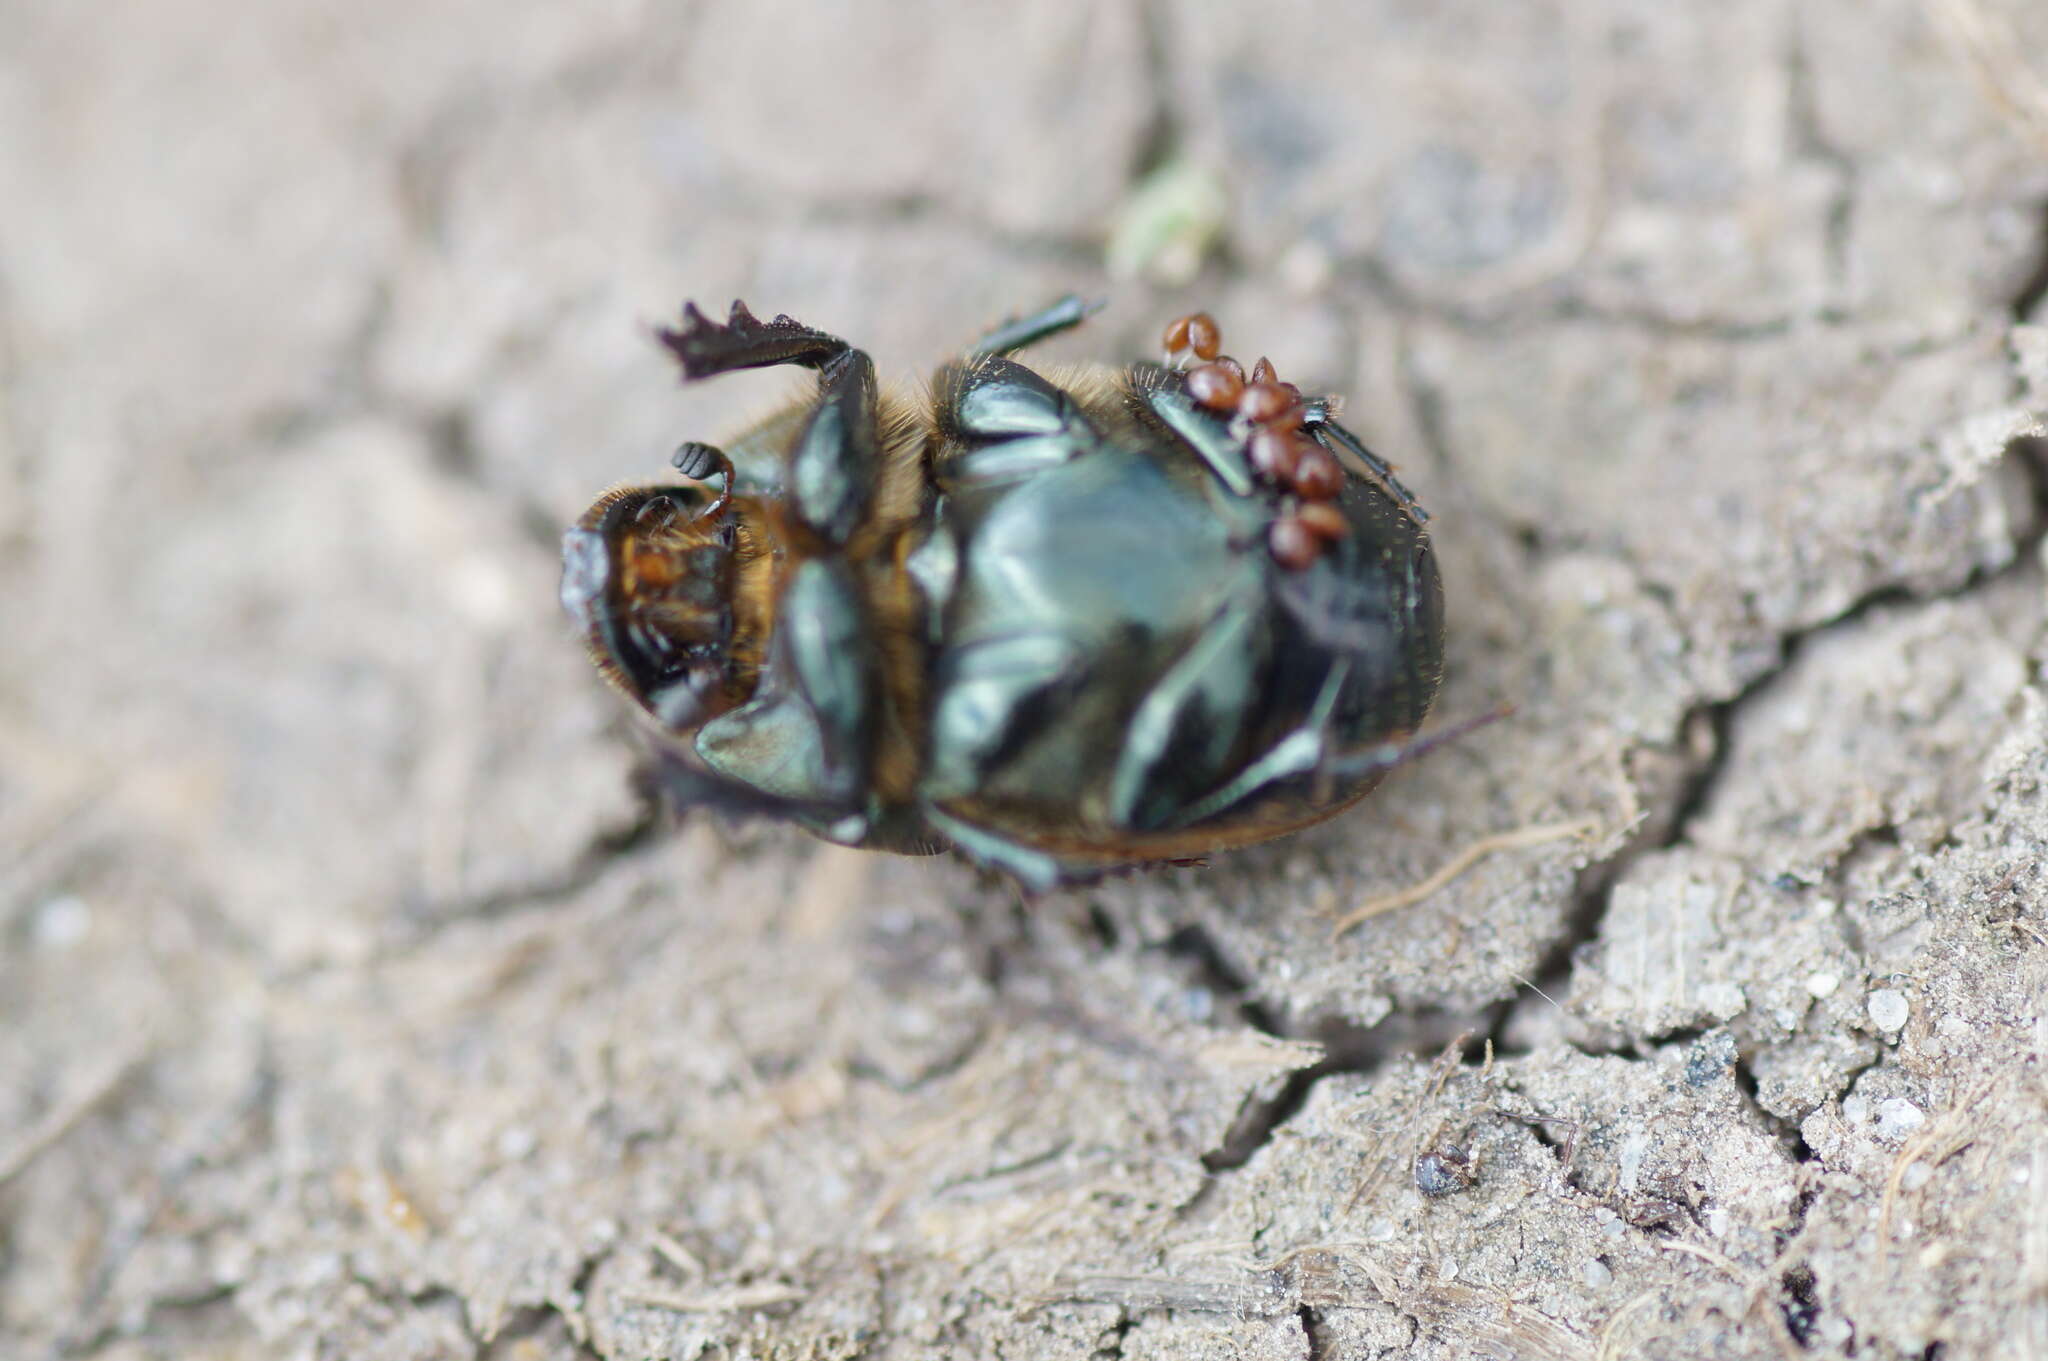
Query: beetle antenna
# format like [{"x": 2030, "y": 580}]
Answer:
[{"x": 700, "y": 462}]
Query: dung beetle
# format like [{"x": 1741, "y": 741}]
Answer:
[{"x": 1063, "y": 622}]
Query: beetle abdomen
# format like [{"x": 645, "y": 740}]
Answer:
[
  {"x": 1114, "y": 664},
  {"x": 1079, "y": 587}
]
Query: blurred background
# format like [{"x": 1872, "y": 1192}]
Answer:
[{"x": 352, "y": 1001}]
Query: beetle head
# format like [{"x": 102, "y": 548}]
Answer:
[{"x": 648, "y": 574}]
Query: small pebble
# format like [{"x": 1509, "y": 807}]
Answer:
[
  {"x": 1597, "y": 1275},
  {"x": 1823, "y": 984},
  {"x": 1723, "y": 1000},
  {"x": 1916, "y": 1175},
  {"x": 1889, "y": 1010},
  {"x": 1443, "y": 1171},
  {"x": 1898, "y": 1117}
]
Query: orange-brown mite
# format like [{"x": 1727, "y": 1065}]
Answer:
[
  {"x": 1215, "y": 387},
  {"x": 1318, "y": 477},
  {"x": 1263, "y": 402},
  {"x": 1324, "y": 519},
  {"x": 1294, "y": 545},
  {"x": 1276, "y": 454}
]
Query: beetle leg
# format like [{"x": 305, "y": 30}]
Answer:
[
  {"x": 990, "y": 693},
  {"x": 1182, "y": 733},
  {"x": 700, "y": 462},
  {"x": 687, "y": 785},
  {"x": 1005, "y": 421},
  {"x": 804, "y": 736},
  {"x": 1316, "y": 419},
  {"x": 1210, "y": 439},
  {"x": 1015, "y": 334},
  {"x": 1036, "y": 870},
  {"x": 1301, "y": 752},
  {"x": 832, "y": 461},
  {"x": 703, "y": 347},
  {"x": 1385, "y": 756}
]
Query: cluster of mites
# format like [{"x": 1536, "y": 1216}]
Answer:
[{"x": 1279, "y": 452}]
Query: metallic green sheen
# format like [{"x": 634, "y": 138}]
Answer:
[
  {"x": 803, "y": 736},
  {"x": 1080, "y": 587},
  {"x": 1111, "y": 664}
]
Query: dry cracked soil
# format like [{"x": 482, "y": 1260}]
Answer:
[{"x": 354, "y": 1004}]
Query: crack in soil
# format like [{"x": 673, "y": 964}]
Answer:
[
  {"x": 1361, "y": 1051},
  {"x": 1312, "y": 1329}
]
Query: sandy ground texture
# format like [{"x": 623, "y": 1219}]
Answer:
[{"x": 353, "y": 1004}]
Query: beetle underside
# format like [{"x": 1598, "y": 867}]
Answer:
[{"x": 1063, "y": 622}]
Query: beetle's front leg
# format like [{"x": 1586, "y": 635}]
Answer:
[
  {"x": 704, "y": 348},
  {"x": 831, "y": 461},
  {"x": 1002, "y": 422}
]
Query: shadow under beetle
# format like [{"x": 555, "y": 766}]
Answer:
[{"x": 1062, "y": 622}]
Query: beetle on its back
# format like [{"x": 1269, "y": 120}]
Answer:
[{"x": 1061, "y": 622}]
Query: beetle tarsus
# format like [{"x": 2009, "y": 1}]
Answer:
[{"x": 704, "y": 347}]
